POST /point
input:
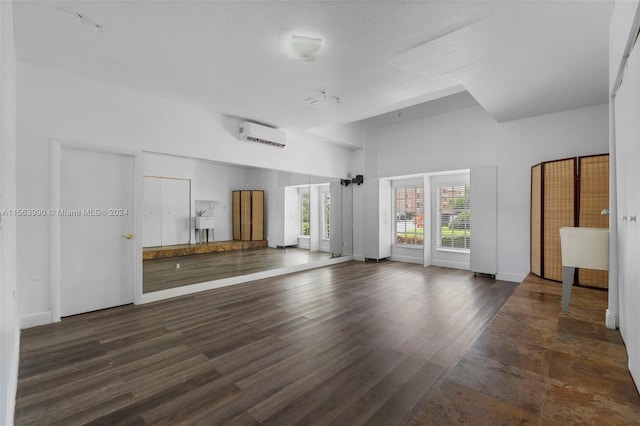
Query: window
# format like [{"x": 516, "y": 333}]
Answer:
[
  {"x": 454, "y": 217},
  {"x": 326, "y": 214},
  {"x": 408, "y": 209},
  {"x": 305, "y": 228}
]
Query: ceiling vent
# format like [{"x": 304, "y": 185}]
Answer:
[{"x": 256, "y": 133}]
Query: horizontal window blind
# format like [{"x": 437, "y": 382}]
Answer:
[
  {"x": 408, "y": 210},
  {"x": 454, "y": 217}
]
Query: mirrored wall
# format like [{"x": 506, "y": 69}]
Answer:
[{"x": 205, "y": 221}]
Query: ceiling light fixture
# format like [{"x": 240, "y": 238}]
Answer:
[
  {"x": 323, "y": 97},
  {"x": 304, "y": 48}
]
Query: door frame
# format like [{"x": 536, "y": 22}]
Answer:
[{"x": 56, "y": 223}]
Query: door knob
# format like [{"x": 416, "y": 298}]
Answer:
[
  {"x": 632, "y": 218},
  {"x": 128, "y": 236},
  {"x": 623, "y": 218}
]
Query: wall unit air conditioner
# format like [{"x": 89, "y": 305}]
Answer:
[{"x": 256, "y": 133}]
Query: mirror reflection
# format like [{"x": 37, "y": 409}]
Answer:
[{"x": 205, "y": 221}]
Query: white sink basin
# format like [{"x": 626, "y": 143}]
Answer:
[
  {"x": 204, "y": 222},
  {"x": 585, "y": 247}
]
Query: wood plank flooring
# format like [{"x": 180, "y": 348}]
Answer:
[
  {"x": 163, "y": 273},
  {"x": 536, "y": 366},
  {"x": 347, "y": 344}
]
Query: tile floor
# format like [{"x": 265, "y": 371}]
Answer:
[{"x": 535, "y": 366}]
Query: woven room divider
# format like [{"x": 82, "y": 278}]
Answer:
[
  {"x": 567, "y": 192},
  {"x": 593, "y": 197}
]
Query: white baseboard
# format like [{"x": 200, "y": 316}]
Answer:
[
  {"x": 12, "y": 385},
  {"x": 450, "y": 264},
  {"x": 408, "y": 259},
  {"x": 611, "y": 320},
  {"x": 358, "y": 257},
  {"x": 35, "y": 320},
  {"x": 511, "y": 277}
]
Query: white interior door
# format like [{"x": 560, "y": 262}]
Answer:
[
  {"x": 97, "y": 268},
  {"x": 176, "y": 211},
  {"x": 152, "y": 212}
]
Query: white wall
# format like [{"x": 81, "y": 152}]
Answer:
[
  {"x": 55, "y": 104},
  {"x": 520, "y": 145},
  {"x": 209, "y": 181},
  {"x": 9, "y": 331},
  {"x": 452, "y": 141},
  {"x": 620, "y": 36},
  {"x": 273, "y": 183},
  {"x": 469, "y": 138},
  {"x": 457, "y": 140}
]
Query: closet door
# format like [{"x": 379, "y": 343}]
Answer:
[
  {"x": 176, "y": 208},
  {"x": 152, "y": 212},
  {"x": 592, "y": 199},
  {"x": 559, "y": 191}
]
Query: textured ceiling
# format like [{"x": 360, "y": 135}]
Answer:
[{"x": 516, "y": 58}]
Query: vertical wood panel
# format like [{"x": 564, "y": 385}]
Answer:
[
  {"x": 593, "y": 197},
  {"x": 245, "y": 215},
  {"x": 559, "y": 210},
  {"x": 248, "y": 215},
  {"x": 257, "y": 215},
  {"x": 536, "y": 219},
  {"x": 236, "y": 215}
]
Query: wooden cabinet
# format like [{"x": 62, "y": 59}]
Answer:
[
  {"x": 248, "y": 215},
  {"x": 568, "y": 192}
]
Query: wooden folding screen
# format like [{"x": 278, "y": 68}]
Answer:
[
  {"x": 257, "y": 215},
  {"x": 536, "y": 219},
  {"x": 248, "y": 215},
  {"x": 558, "y": 210},
  {"x": 593, "y": 197},
  {"x": 563, "y": 195}
]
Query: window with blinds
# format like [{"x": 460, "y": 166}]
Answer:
[
  {"x": 408, "y": 208},
  {"x": 305, "y": 225},
  {"x": 454, "y": 217}
]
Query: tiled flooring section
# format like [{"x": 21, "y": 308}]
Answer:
[{"x": 535, "y": 366}]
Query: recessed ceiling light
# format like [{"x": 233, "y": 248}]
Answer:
[{"x": 304, "y": 48}]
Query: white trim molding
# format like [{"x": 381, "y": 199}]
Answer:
[
  {"x": 611, "y": 320},
  {"x": 13, "y": 380},
  {"x": 407, "y": 259},
  {"x": 511, "y": 277},
  {"x": 35, "y": 320},
  {"x": 450, "y": 264}
]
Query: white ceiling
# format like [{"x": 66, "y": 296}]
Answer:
[{"x": 516, "y": 58}]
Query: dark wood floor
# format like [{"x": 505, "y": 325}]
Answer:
[
  {"x": 170, "y": 272},
  {"x": 347, "y": 344}
]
